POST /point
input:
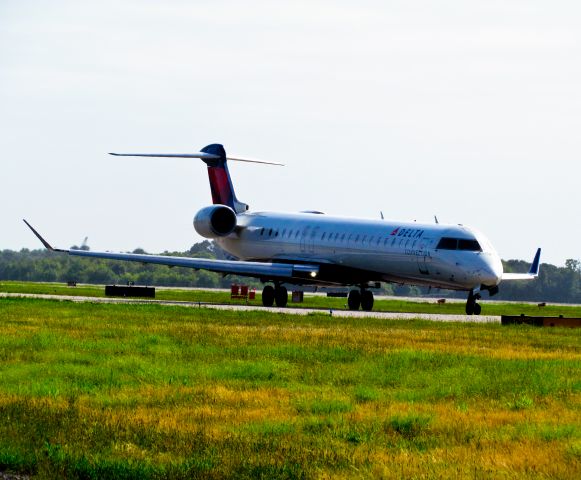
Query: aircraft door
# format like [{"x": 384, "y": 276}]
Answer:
[
  {"x": 423, "y": 265},
  {"x": 423, "y": 257}
]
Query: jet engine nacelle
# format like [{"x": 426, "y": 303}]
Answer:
[{"x": 215, "y": 221}]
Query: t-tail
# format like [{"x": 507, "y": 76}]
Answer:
[{"x": 214, "y": 156}]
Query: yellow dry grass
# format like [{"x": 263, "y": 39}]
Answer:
[{"x": 373, "y": 340}]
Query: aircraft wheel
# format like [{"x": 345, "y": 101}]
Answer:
[
  {"x": 354, "y": 300},
  {"x": 281, "y": 296},
  {"x": 470, "y": 308},
  {"x": 367, "y": 300},
  {"x": 268, "y": 296}
]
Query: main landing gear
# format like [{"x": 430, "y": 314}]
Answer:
[
  {"x": 277, "y": 294},
  {"x": 472, "y": 307},
  {"x": 363, "y": 298}
]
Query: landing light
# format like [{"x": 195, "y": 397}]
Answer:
[{"x": 313, "y": 274}]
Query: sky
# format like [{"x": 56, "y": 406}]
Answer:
[{"x": 465, "y": 110}]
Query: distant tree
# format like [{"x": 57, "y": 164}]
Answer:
[
  {"x": 573, "y": 265},
  {"x": 204, "y": 249}
]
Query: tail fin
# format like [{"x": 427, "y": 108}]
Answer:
[{"x": 220, "y": 181}]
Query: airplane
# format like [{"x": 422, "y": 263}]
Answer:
[{"x": 313, "y": 249}]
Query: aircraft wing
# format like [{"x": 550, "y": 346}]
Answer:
[
  {"x": 270, "y": 270},
  {"x": 264, "y": 270},
  {"x": 532, "y": 273}
]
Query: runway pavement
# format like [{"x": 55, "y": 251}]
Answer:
[{"x": 289, "y": 310}]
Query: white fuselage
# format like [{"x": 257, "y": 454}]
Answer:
[{"x": 383, "y": 250}]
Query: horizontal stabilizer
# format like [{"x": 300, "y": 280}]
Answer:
[
  {"x": 202, "y": 155},
  {"x": 252, "y": 160},
  {"x": 530, "y": 275}
]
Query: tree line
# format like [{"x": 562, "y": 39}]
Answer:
[
  {"x": 555, "y": 284},
  {"x": 45, "y": 266}
]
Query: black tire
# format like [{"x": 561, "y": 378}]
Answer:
[
  {"x": 281, "y": 297},
  {"x": 470, "y": 307},
  {"x": 354, "y": 300},
  {"x": 268, "y": 296},
  {"x": 366, "y": 300},
  {"x": 477, "y": 309}
]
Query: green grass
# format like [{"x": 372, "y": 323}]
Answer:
[
  {"x": 310, "y": 301},
  {"x": 150, "y": 391}
]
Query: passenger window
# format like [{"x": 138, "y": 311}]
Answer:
[
  {"x": 283, "y": 232},
  {"x": 270, "y": 233},
  {"x": 323, "y": 236},
  {"x": 262, "y": 231},
  {"x": 342, "y": 237}
]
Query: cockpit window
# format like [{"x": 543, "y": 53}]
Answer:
[
  {"x": 470, "y": 245},
  {"x": 447, "y": 243},
  {"x": 465, "y": 244}
]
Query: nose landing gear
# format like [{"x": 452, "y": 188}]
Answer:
[{"x": 472, "y": 306}]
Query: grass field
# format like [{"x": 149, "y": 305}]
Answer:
[
  {"x": 147, "y": 391},
  {"x": 311, "y": 301}
]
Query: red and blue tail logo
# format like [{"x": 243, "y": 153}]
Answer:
[{"x": 220, "y": 182}]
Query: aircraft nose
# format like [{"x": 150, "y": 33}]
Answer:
[{"x": 491, "y": 271}]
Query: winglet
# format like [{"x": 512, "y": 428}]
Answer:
[
  {"x": 531, "y": 274},
  {"x": 534, "y": 270},
  {"x": 47, "y": 245}
]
